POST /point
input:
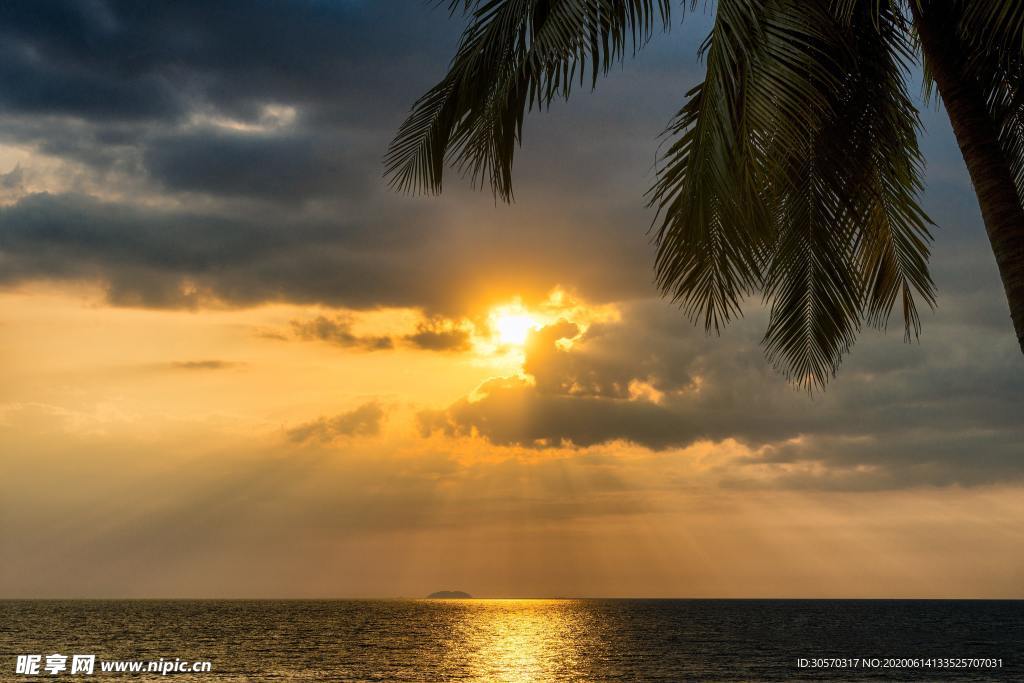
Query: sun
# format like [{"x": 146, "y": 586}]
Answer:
[
  {"x": 512, "y": 325},
  {"x": 509, "y": 326}
]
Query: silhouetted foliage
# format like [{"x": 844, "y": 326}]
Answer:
[{"x": 793, "y": 169}]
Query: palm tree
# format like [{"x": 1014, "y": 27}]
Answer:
[{"x": 794, "y": 168}]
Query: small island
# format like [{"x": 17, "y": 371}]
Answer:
[{"x": 449, "y": 595}]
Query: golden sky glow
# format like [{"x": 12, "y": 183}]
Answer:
[
  {"x": 180, "y": 416},
  {"x": 235, "y": 363}
]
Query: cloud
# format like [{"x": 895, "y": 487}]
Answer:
[
  {"x": 190, "y": 164},
  {"x": 362, "y": 421},
  {"x": 203, "y": 365},
  {"x": 184, "y": 92},
  {"x": 71, "y": 57},
  {"x": 365, "y": 513},
  {"x": 13, "y": 179},
  {"x": 167, "y": 258},
  {"x": 179, "y": 258},
  {"x": 432, "y": 335},
  {"x": 339, "y": 331},
  {"x": 513, "y": 412},
  {"x": 900, "y": 414},
  {"x": 275, "y": 166},
  {"x": 582, "y": 395},
  {"x": 173, "y": 182},
  {"x": 435, "y": 336}
]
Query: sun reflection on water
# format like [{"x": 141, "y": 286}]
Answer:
[{"x": 518, "y": 641}]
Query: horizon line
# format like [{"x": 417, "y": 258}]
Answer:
[{"x": 508, "y": 598}]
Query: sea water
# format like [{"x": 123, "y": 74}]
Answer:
[{"x": 523, "y": 640}]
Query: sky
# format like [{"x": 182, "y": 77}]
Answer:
[{"x": 237, "y": 364}]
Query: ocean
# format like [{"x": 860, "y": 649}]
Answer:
[{"x": 520, "y": 640}]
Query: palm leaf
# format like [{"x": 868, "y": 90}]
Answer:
[
  {"x": 766, "y": 80},
  {"x": 513, "y": 56},
  {"x": 853, "y": 238},
  {"x": 883, "y": 125},
  {"x": 812, "y": 279},
  {"x": 993, "y": 25},
  {"x": 793, "y": 168}
]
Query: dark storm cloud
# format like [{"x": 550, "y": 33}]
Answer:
[
  {"x": 122, "y": 59},
  {"x": 181, "y": 98},
  {"x": 899, "y": 414},
  {"x": 175, "y": 258},
  {"x": 33, "y": 82},
  {"x": 265, "y": 166},
  {"x": 160, "y": 258},
  {"x": 362, "y": 421},
  {"x": 131, "y": 78}
]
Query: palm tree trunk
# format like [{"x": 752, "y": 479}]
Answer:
[{"x": 978, "y": 137}]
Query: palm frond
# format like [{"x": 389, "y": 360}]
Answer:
[
  {"x": 812, "y": 279},
  {"x": 767, "y": 78},
  {"x": 883, "y": 125},
  {"x": 995, "y": 26},
  {"x": 514, "y": 55},
  {"x": 793, "y": 169},
  {"x": 858, "y": 240},
  {"x": 1006, "y": 104}
]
